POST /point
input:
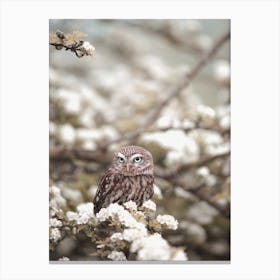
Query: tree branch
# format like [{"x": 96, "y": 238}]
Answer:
[
  {"x": 63, "y": 153},
  {"x": 173, "y": 92},
  {"x": 169, "y": 172},
  {"x": 196, "y": 125},
  {"x": 70, "y": 42},
  {"x": 224, "y": 210}
]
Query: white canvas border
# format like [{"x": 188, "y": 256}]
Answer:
[{"x": 255, "y": 138}]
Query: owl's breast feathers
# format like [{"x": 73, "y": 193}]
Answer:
[{"x": 118, "y": 188}]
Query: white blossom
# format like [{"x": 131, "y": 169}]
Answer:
[
  {"x": 71, "y": 194},
  {"x": 118, "y": 213},
  {"x": 225, "y": 122},
  {"x": 119, "y": 74},
  {"x": 82, "y": 219},
  {"x": 164, "y": 122},
  {"x": 206, "y": 137},
  {"x": 89, "y": 145},
  {"x": 111, "y": 211},
  {"x": 203, "y": 171},
  {"x": 54, "y": 190},
  {"x": 132, "y": 234},
  {"x": 152, "y": 247},
  {"x": 117, "y": 256},
  {"x": 116, "y": 236},
  {"x": 210, "y": 142},
  {"x": 179, "y": 255},
  {"x": 57, "y": 200},
  {"x": 95, "y": 135},
  {"x": 214, "y": 150},
  {"x": 52, "y": 212},
  {"x": 72, "y": 216},
  {"x": 73, "y": 105},
  {"x": 181, "y": 147},
  {"x": 55, "y": 234},
  {"x": 109, "y": 132},
  {"x": 86, "y": 134},
  {"x": 167, "y": 121},
  {"x": 168, "y": 220},
  {"x": 85, "y": 212},
  {"x": 150, "y": 205},
  {"x": 87, "y": 48},
  {"x": 55, "y": 223},
  {"x": 96, "y": 102},
  {"x": 130, "y": 205},
  {"x": 222, "y": 111},
  {"x": 153, "y": 66},
  {"x": 70, "y": 100},
  {"x": 206, "y": 114},
  {"x": 174, "y": 157},
  {"x": 86, "y": 118},
  {"x": 86, "y": 208},
  {"x": 67, "y": 134},
  {"x": 139, "y": 214},
  {"x": 83, "y": 215},
  {"x": 187, "y": 124},
  {"x": 222, "y": 71}
]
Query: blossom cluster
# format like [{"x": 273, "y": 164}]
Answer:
[
  {"x": 83, "y": 214},
  {"x": 135, "y": 234},
  {"x": 132, "y": 229},
  {"x": 57, "y": 201}
]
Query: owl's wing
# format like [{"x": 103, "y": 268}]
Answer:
[{"x": 105, "y": 187}]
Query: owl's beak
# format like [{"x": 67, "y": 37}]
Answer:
[{"x": 127, "y": 167}]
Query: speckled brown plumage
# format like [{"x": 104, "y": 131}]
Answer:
[{"x": 130, "y": 177}]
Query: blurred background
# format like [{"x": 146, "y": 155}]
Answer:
[{"x": 96, "y": 102}]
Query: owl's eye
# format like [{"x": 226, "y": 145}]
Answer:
[
  {"x": 137, "y": 159},
  {"x": 121, "y": 160}
]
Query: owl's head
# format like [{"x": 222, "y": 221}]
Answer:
[{"x": 133, "y": 160}]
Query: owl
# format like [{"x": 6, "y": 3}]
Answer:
[{"x": 130, "y": 177}]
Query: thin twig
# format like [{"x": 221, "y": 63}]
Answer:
[{"x": 67, "y": 41}]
